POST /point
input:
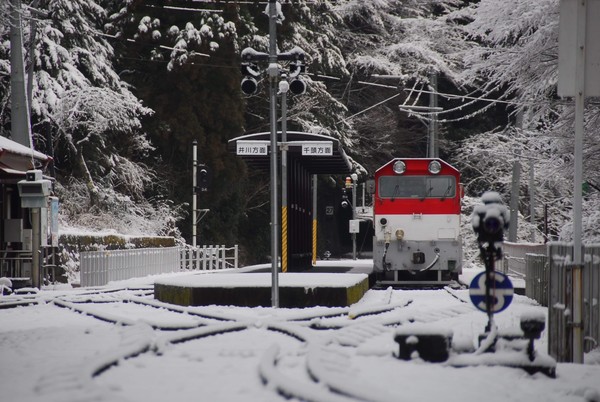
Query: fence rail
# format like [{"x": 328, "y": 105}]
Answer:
[{"x": 97, "y": 268}]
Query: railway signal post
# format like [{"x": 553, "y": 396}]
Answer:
[
  {"x": 490, "y": 221},
  {"x": 250, "y": 60}
]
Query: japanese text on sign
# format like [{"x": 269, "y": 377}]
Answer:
[
  {"x": 317, "y": 148},
  {"x": 252, "y": 148}
]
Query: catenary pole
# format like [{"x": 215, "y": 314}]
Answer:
[{"x": 577, "y": 327}]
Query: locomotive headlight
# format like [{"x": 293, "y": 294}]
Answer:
[
  {"x": 399, "y": 234},
  {"x": 435, "y": 167},
  {"x": 399, "y": 167}
]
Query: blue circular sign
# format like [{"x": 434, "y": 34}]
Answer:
[{"x": 501, "y": 292}]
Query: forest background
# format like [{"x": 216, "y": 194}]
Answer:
[{"x": 121, "y": 88}]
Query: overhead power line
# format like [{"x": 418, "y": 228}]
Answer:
[{"x": 201, "y": 10}]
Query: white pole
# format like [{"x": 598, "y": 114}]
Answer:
[{"x": 194, "y": 191}]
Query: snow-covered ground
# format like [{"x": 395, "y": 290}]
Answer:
[{"x": 116, "y": 343}]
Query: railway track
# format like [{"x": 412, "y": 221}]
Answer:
[{"x": 329, "y": 343}]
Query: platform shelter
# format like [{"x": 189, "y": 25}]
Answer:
[{"x": 307, "y": 154}]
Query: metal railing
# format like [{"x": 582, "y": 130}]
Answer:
[
  {"x": 15, "y": 263},
  {"x": 560, "y": 299},
  {"x": 209, "y": 257},
  {"x": 97, "y": 268}
]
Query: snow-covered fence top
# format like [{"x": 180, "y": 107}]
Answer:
[{"x": 97, "y": 268}]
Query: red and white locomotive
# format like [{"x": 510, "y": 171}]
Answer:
[{"x": 416, "y": 217}]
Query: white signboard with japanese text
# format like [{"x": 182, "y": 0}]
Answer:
[
  {"x": 317, "y": 148},
  {"x": 252, "y": 147}
]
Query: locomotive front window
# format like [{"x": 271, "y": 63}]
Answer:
[{"x": 417, "y": 187}]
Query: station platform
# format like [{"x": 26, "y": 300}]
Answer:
[{"x": 329, "y": 284}]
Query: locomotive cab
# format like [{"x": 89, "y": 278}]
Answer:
[{"x": 416, "y": 207}]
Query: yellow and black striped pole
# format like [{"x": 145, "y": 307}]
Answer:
[
  {"x": 314, "y": 222},
  {"x": 284, "y": 240},
  {"x": 284, "y": 180}
]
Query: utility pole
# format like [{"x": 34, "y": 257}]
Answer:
[
  {"x": 580, "y": 86},
  {"x": 19, "y": 111}
]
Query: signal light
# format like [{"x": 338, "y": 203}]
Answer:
[
  {"x": 297, "y": 86},
  {"x": 203, "y": 178},
  {"x": 249, "y": 86}
]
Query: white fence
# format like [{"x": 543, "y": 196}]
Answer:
[
  {"x": 209, "y": 257},
  {"x": 513, "y": 257},
  {"x": 97, "y": 268}
]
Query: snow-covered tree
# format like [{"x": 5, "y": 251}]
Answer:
[
  {"x": 516, "y": 59},
  {"x": 99, "y": 128},
  {"x": 85, "y": 116}
]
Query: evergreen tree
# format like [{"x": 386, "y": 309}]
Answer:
[{"x": 85, "y": 116}]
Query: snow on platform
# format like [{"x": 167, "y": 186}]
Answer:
[{"x": 254, "y": 289}]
